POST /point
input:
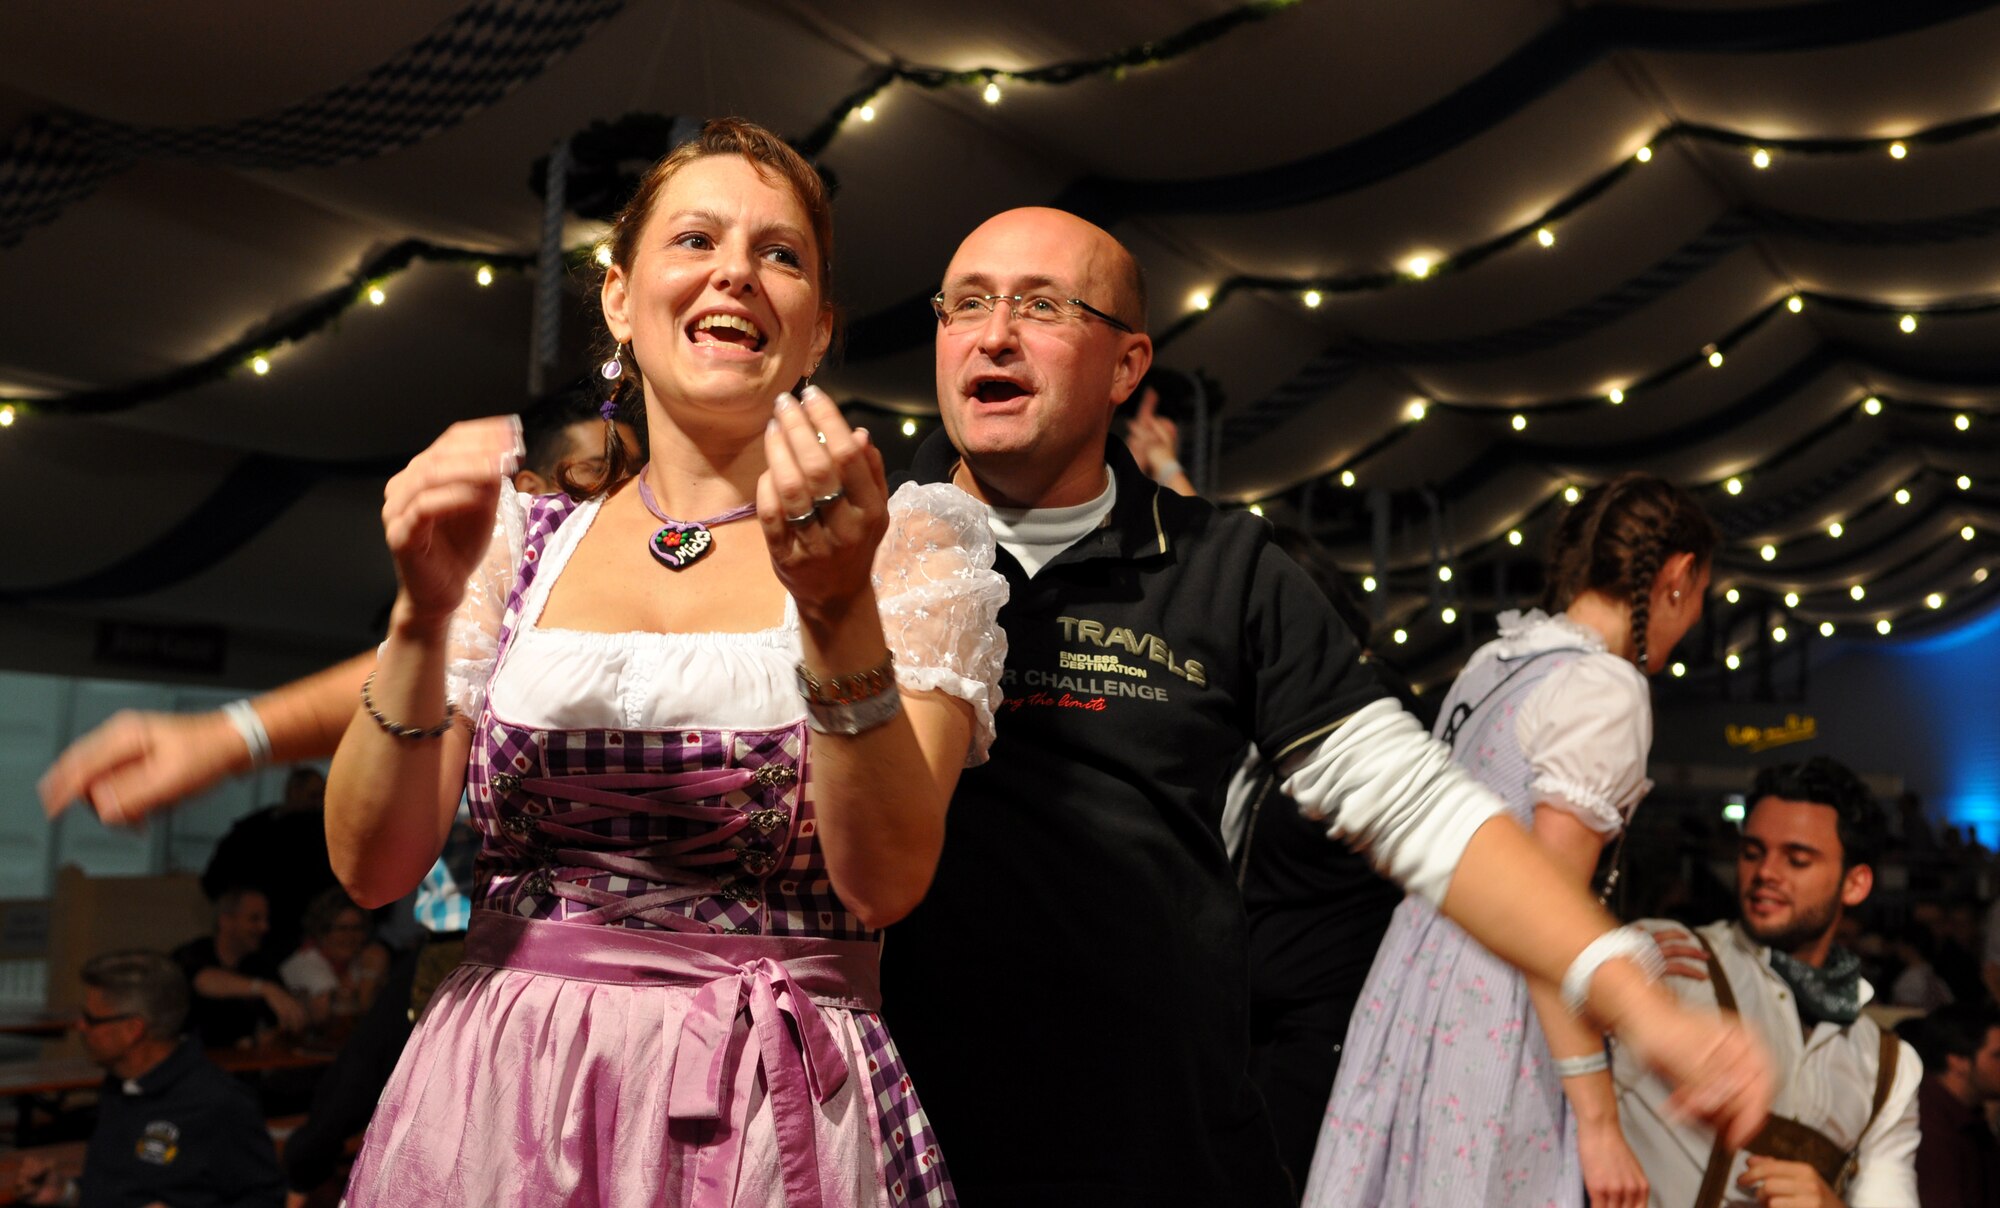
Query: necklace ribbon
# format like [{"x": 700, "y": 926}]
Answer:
[{"x": 679, "y": 544}]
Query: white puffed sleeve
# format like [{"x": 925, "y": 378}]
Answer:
[
  {"x": 474, "y": 636},
  {"x": 940, "y": 600},
  {"x": 1586, "y": 731}
]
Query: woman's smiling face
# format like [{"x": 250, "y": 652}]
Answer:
[{"x": 721, "y": 301}]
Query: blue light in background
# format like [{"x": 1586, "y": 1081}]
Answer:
[{"x": 1957, "y": 672}]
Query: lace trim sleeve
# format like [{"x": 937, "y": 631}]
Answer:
[
  {"x": 474, "y": 636},
  {"x": 940, "y": 601}
]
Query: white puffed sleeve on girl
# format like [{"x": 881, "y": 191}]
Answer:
[
  {"x": 1586, "y": 731},
  {"x": 940, "y": 600},
  {"x": 474, "y": 636}
]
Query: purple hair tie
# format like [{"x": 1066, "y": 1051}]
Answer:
[{"x": 610, "y": 409}]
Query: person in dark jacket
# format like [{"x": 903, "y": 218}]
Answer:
[{"x": 171, "y": 1127}]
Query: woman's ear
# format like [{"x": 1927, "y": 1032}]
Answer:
[{"x": 612, "y": 297}]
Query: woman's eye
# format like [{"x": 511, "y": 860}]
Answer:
[
  {"x": 785, "y": 256},
  {"x": 694, "y": 240}
]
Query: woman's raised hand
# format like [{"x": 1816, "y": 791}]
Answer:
[
  {"x": 823, "y": 503},
  {"x": 437, "y": 513}
]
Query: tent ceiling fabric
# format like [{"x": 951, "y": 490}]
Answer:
[{"x": 1321, "y": 143}]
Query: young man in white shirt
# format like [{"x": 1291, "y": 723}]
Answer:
[{"x": 1804, "y": 861}]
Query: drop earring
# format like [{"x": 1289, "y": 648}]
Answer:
[{"x": 613, "y": 368}]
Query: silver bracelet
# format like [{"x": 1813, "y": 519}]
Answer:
[
  {"x": 243, "y": 715},
  {"x": 1577, "y": 1067},
  {"x": 1628, "y": 942},
  {"x": 853, "y": 718}
]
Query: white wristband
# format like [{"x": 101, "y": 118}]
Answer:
[
  {"x": 1629, "y": 942},
  {"x": 1169, "y": 468},
  {"x": 1577, "y": 1067},
  {"x": 243, "y": 715}
]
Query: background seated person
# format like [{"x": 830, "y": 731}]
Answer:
[
  {"x": 235, "y": 988},
  {"x": 172, "y": 1129},
  {"x": 338, "y": 968}
]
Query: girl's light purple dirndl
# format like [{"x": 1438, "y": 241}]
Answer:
[{"x": 663, "y": 1002}]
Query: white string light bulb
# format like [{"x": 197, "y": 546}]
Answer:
[
  {"x": 1449, "y": 616},
  {"x": 1934, "y": 600},
  {"x": 1347, "y": 478},
  {"x": 1644, "y": 155},
  {"x": 909, "y": 427},
  {"x": 1760, "y": 159},
  {"x": 1968, "y": 532},
  {"x": 1401, "y": 636},
  {"x": 1835, "y": 530},
  {"x": 1368, "y": 584},
  {"x": 1964, "y": 482},
  {"x": 1415, "y": 410},
  {"x": 1857, "y": 593},
  {"x": 1714, "y": 357},
  {"x": 1616, "y": 396},
  {"x": 866, "y": 113},
  {"x": 1679, "y": 670},
  {"x": 1732, "y": 595},
  {"x": 1199, "y": 300},
  {"x": 7, "y": 416},
  {"x": 1791, "y": 599},
  {"x": 1902, "y": 495},
  {"x": 1734, "y": 486},
  {"x": 1872, "y": 405},
  {"x": 485, "y": 275},
  {"x": 1418, "y": 266},
  {"x": 1513, "y": 536},
  {"x": 1897, "y": 150},
  {"x": 1795, "y": 304},
  {"x": 1908, "y": 323},
  {"x": 991, "y": 93},
  {"x": 1256, "y": 509},
  {"x": 260, "y": 364},
  {"x": 1571, "y": 494},
  {"x": 1778, "y": 633},
  {"x": 1962, "y": 422},
  {"x": 603, "y": 255},
  {"x": 375, "y": 295},
  {"x": 1545, "y": 237},
  {"x": 1311, "y": 298},
  {"x": 1882, "y": 627},
  {"x": 1444, "y": 574},
  {"x": 1520, "y": 422},
  {"x": 1733, "y": 661},
  {"x": 1826, "y": 629},
  {"x": 1768, "y": 553}
]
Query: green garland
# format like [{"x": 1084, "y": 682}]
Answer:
[{"x": 1116, "y": 65}]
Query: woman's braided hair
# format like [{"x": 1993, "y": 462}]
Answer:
[{"x": 1615, "y": 539}]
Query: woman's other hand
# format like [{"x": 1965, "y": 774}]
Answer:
[{"x": 437, "y": 513}]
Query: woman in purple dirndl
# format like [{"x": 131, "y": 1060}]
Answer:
[{"x": 707, "y": 772}]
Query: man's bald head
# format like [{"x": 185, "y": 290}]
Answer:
[{"x": 1107, "y": 269}]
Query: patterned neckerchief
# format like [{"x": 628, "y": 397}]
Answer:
[{"x": 1830, "y": 993}]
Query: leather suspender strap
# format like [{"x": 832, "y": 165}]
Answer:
[{"x": 1720, "y": 1157}]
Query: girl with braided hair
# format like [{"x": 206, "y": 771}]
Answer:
[{"x": 1448, "y": 1093}]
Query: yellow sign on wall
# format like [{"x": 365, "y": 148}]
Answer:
[{"x": 1763, "y": 738}]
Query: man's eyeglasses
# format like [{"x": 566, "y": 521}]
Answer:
[
  {"x": 86, "y": 1019},
  {"x": 966, "y": 311}
]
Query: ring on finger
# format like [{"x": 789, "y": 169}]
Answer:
[
  {"x": 807, "y": 517},
  {"x": 820, "y": 501}
]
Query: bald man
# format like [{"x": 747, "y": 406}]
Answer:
[{"x": 1071, "y": 997}]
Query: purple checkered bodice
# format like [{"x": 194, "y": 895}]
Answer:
[{"x": 703, "y": 830}]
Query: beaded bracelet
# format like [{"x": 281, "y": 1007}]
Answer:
[{"x": 397, "y": 729}]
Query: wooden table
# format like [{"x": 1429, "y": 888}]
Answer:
[
  {"x": 32, "y": 1023},
  {"x": 45, "y": 1082}
]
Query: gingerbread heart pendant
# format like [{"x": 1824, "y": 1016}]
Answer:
[{"x": 679, "y": 546}]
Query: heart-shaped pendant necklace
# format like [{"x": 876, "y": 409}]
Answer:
[{"x": 681, "y": 543}]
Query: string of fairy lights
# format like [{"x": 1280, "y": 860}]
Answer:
[{"x": 261, "y": 352}]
